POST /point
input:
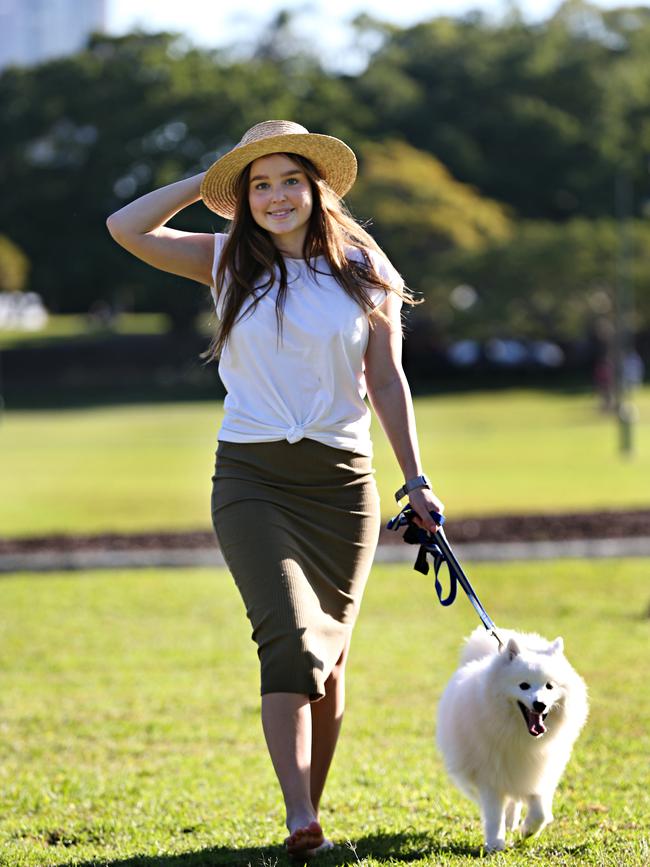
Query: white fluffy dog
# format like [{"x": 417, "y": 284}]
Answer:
[{"x": 507, "y": 722}]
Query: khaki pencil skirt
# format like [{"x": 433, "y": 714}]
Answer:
[{"x": 298, "y": 525}]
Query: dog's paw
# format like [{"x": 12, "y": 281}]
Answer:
[
  {"x": 535, "y": 827},
  {"x": 497, "y": 845}
]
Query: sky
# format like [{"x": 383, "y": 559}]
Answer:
[{"x": 219, "y": 22}]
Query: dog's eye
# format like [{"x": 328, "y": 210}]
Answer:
[
  {"x": 549, "y": 686},
  {"x": 524, "y": 685}
]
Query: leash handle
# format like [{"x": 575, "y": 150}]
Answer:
[
  {"x": 404, "y": 518},
  {"x": 437, "y": 545}
]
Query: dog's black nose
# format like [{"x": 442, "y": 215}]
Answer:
[{"x": 539, "y": 706}]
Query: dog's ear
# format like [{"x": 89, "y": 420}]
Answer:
[
  {"x": 512, "y": 649},
  {"x": 557, "y": 646}
]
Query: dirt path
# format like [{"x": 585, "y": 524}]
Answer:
[{"x": 503, "y": 528}]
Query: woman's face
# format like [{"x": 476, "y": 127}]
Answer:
[{"x": 280, "y": 199}]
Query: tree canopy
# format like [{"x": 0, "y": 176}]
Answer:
[
  {"x": 489, "y": 153},
  {"x": 14, "y": 266}
]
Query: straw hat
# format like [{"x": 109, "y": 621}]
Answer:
[{"x": 334, "y": 160}]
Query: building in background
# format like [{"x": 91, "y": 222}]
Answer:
[{"x": 32, "y": 31}]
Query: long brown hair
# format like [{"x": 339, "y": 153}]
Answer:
[{"x": 250, "y": 260}]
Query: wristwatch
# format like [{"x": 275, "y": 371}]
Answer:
[{"x": 411, "y": 485}]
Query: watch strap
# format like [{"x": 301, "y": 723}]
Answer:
[{"x": 411, "y": 485}]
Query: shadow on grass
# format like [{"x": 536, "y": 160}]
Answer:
[{"x": 389, "y": 848}]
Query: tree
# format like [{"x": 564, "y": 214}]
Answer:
[
  {"x": 463, "y": 127},
  {"x": 546, "y": 280},
  {"x": 536, "y": 116},
  {"x": 14, "y": 266},
  {"x": 88, "y": 133},
  {"x": 420, "y": 211}
]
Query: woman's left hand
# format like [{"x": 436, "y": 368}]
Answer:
[{"x": 423, "y": 502}]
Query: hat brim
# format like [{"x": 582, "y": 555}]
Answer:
[{"x": 334, "y": 160}]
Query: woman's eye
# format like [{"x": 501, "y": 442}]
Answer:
[
  {"x": 524, "y": 685},
  {"x": 292, "y": 181},
  {"x": 261, "y": 186}
]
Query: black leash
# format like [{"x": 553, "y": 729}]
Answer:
[{"x": 437, "y": 545}]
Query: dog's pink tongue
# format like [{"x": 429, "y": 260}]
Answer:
[{"x": 535, "y": 724}]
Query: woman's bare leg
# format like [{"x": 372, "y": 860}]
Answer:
[
  {"x": 326, "y": 719},
  {"x": 301, "y": 738},
  {"x": 287, "y": 724}
]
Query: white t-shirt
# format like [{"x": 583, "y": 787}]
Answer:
[{"x": 311, "y": 382}]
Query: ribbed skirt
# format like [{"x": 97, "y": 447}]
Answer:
[{"x": 298, "y": 525}]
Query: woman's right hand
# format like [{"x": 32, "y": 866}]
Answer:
[{"x": 423, "y": 501}]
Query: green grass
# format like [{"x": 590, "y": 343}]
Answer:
[
  {"x": 130, "y": 730},
  {"x": 64, "y": 327},
  {"x": 146, "y": 467}
]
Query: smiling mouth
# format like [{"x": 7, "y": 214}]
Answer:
[
  {"x": 534, "y": 721},
  {"x": 279, "y": 214}
]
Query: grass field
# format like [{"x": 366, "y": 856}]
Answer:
[
  {"x": 130, "y": 731},
  {"x": 67, "y": 327},
  {"x": 132, "y": 468}
]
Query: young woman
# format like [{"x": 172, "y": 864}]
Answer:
[{"x": 309, "y": 320}]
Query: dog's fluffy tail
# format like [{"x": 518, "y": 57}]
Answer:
[{"x": 480, "y": 643}]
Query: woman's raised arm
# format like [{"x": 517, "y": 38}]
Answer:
[{"x": 140, "y": 228}]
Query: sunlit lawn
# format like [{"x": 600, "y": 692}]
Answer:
[
  {"x": 149, "y": 466},
  {"x": 76, "y": 326},
  {"x": 130, "y": 731}
]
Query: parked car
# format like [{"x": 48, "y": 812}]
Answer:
[{"x": 506, "y": 353}]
